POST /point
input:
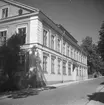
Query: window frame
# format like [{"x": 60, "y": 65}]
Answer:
[
  {"x": 59, "y": 66},
  {"x": 3, "y": 30},
  {"x": 45, "y": 64},
  {"x": 52, "y": 65},
  {"x": 69, "y": 68},
  {"x": 47, "y": 37},
  {"x": 53, "y": 44},
  {"x": 2, "y": 16},
  {"x": 64, "y": 67}
]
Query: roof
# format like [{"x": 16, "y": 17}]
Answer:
[{"x": 66, "y": 32}]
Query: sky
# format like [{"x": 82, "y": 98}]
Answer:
[{"x": 80, "y": 17}]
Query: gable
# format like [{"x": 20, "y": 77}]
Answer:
[{"x": 14, "y": 8}]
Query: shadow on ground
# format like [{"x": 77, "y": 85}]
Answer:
[
  {"x": 102, "y": 83},
  {"x": 99, "y": 96},
  {"x": 25, "y": 93}
]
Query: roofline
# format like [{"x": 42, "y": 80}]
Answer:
[{"x": 21, "y": 5}]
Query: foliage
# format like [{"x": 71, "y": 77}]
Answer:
[
  {"x": 101, "y": 41},
  {"x": 18, "y": 75},
  {"x": 10, "y": 53},
  {"x": 94, "y": 60}
]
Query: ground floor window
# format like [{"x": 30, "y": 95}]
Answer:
[
  {"x": 45, "y": 64},
  {"x": 52, "y": 65},
  {"x": 64, "y": 68},
  {"x": 69, "y": 68},
  {"x": 59, "y": 66}
]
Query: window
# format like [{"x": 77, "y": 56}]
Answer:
[
  {"x": 52, "y": 65},
  {"x": 64, "y": 68},
  {"x": 45, "y": 64},
  {"x": 3, "y": 35},
  {"x": 71, "y": 52},
  {"x": 52, "y": 42},
  {"x": 64, "y": 47},
  {"x": 77, "y": 71},
  {"x": 68, "y": 50},
  {"x": 58, "y": 66},
  {"x": 45, "y": 37},
  {"x": 58, "y": 45},
  {"x": 22, "y": 32},
  {"x": 5, "y": 13},
  {"x": 69, "y": 68}
]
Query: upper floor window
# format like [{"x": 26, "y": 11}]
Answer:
[
  {"x": 52, "y": 41},
  {"x": 4, "y": 12},
  {"x": 45, "y": 37},
  {"x": 22, "y": 32},
  {"x": 68, "y": 50},
  {"x": 71, "y": 52},
  {"x": 58, "y": 45},
  {"x": 3, "y": 35},
  {"x": 64, "y": 47}
]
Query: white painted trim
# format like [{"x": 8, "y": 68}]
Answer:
[{"x": 21, "y": 26}]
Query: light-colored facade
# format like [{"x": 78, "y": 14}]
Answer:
[{"x": 62, "y": 59}]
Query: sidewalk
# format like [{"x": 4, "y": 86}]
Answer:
[{"x": 68, "y": 83}]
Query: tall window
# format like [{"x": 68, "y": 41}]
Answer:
[
  {"x": 45, "y": 37},
  {"x": 58, "y": 45},
  {"x": 58, "y": 66},
  {"x": 64, "y": 47},
  {"x": 45, "y": 64},
  {"x": 68, "y": 50},
  {"x": 69, "y": 68},
  {"x": 64, "y": 68},
  {"x": 71, "y": 52},
  {"x": 52, "y": 42},
  {"x": 52, "y": 65},
  {"x": 5, "y": 13},
  {"x": 3, "y": 35},
  {"x": 22, "y": 32}
]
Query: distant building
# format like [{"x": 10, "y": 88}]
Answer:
[{"x": 62, "y": 59}]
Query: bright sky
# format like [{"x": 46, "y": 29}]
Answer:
[{"x": 80, "y": 17}]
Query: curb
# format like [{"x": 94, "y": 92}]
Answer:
[{"x": 72, "y": 82}]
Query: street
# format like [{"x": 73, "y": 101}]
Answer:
[{"x": 73, "y": 94}]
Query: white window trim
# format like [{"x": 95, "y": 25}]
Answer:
[
  {"x": 21, "y": 26},
  {"x": 47, "y": 36},
  {"x": 4, "y": 8},
  {"x": 4, "y": 29}
]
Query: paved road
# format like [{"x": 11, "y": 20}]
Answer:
[{"x": 74, "y": 94}]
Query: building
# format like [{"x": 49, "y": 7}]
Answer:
[{"x": 61, "y": 57}]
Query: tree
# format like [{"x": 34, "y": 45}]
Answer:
[
  {"x": 10, "y": 53},
  {"x": 101, "y": 41},
  {"x": 32, "y": 74},
  {"x": 94, "y": 60}
]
